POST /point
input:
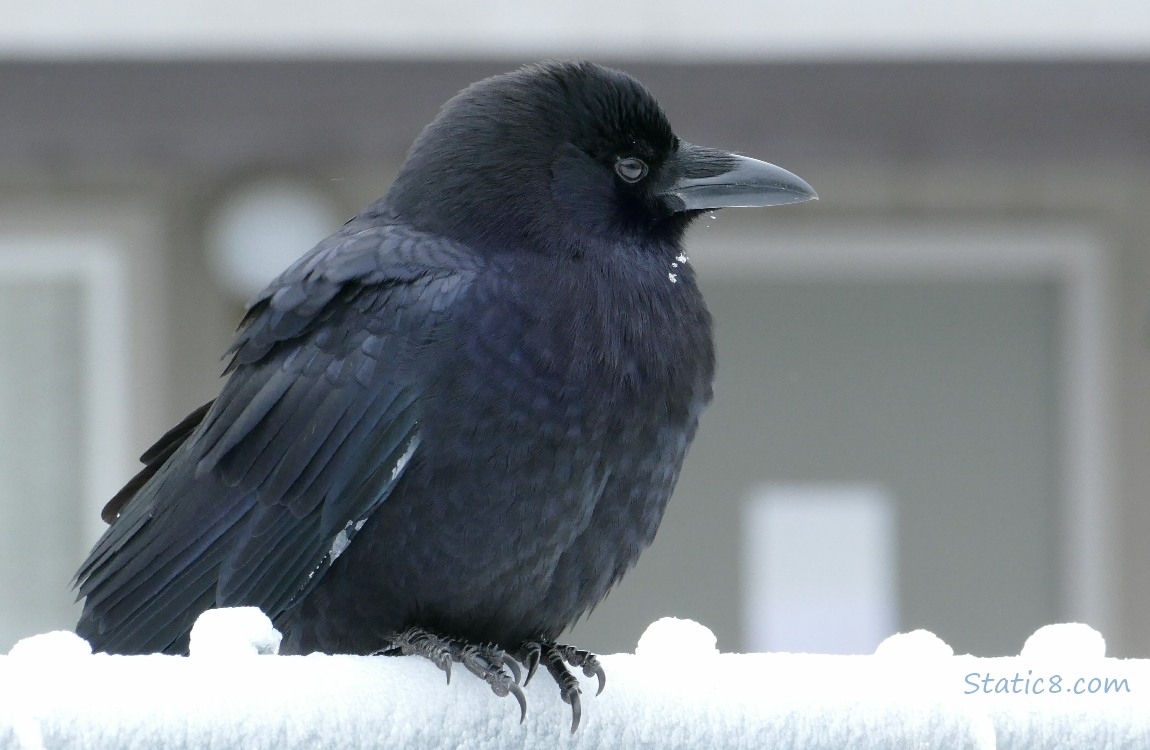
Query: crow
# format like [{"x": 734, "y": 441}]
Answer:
[{"x": 453, "y": 425}]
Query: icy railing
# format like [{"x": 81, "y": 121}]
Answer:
[{"x": 677, "y": 690}]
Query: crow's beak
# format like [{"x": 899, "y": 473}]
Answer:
[{"x": 706, "y": 178}]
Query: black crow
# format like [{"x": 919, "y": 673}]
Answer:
[{"x": 452, "y": 426}]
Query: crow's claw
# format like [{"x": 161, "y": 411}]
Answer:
[
  {"x": 486, "y": 661},
  {"x": 419, "y": 642},
  {"x": 556, "y": 657},
  {"x": 586, "y": 661},
  {"x": 513, "y": 666},
  {"x": 576, "y": 708},
  {"x": 492, "y": 665},
  {"x": 567, "y": 682},
  {"x": 600, "y": 675},
  {"x": 519, "y": 696},
  {"x": 501, "y": 671},
  {"x": 530, "y": 655}
]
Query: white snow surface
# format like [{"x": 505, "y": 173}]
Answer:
[
  {"x": 678, "y": 690},
  {"x": 917, "y": 644},
  {"x": 1070, "y": 640},
  {"x": 235, "y": 631},
  {"x": 670, "y": 638}
]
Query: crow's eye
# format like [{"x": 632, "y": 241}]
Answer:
[{"x": 630, "y": 169}]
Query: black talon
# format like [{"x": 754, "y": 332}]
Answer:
[
  {"x": 556, "y": 658},
  {"x": 588, "y": 662},
  {"x": 576, "y": 711},
  {"x": 419, "y": 642},
  {"x": 488, "y": 662},
  {"x": 530, "y": 656},
  {"x": 519, "y": 696},
  {"x": 501, "y": 671},
  {"x": 597, "y": 672},
  {"x": 512, "y": 666}
]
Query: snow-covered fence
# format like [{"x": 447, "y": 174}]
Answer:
[{"x": 675, "y": 691}]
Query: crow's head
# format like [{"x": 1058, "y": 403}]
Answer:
[{"x": 561, "y": 156}]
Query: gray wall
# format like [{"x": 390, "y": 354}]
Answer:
[{"x": 40, "y": 406}]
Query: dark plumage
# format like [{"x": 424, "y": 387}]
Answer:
[{"x": 459, "y": 418}]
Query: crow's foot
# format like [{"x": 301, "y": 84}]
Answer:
[
  {"x": 556, "y": 657},
  {"x": 486, "y": 661}
]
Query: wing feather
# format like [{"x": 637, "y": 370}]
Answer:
[{"x": 251, "y": 498}]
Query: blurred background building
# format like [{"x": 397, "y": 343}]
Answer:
[{"x": 933, "y": 401}]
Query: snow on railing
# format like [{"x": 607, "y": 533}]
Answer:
[{"x": 677, "y": 690}]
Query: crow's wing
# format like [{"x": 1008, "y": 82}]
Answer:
[
  {"x": 153, "y": 459},
  {"x": 250, "y": 499}
]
